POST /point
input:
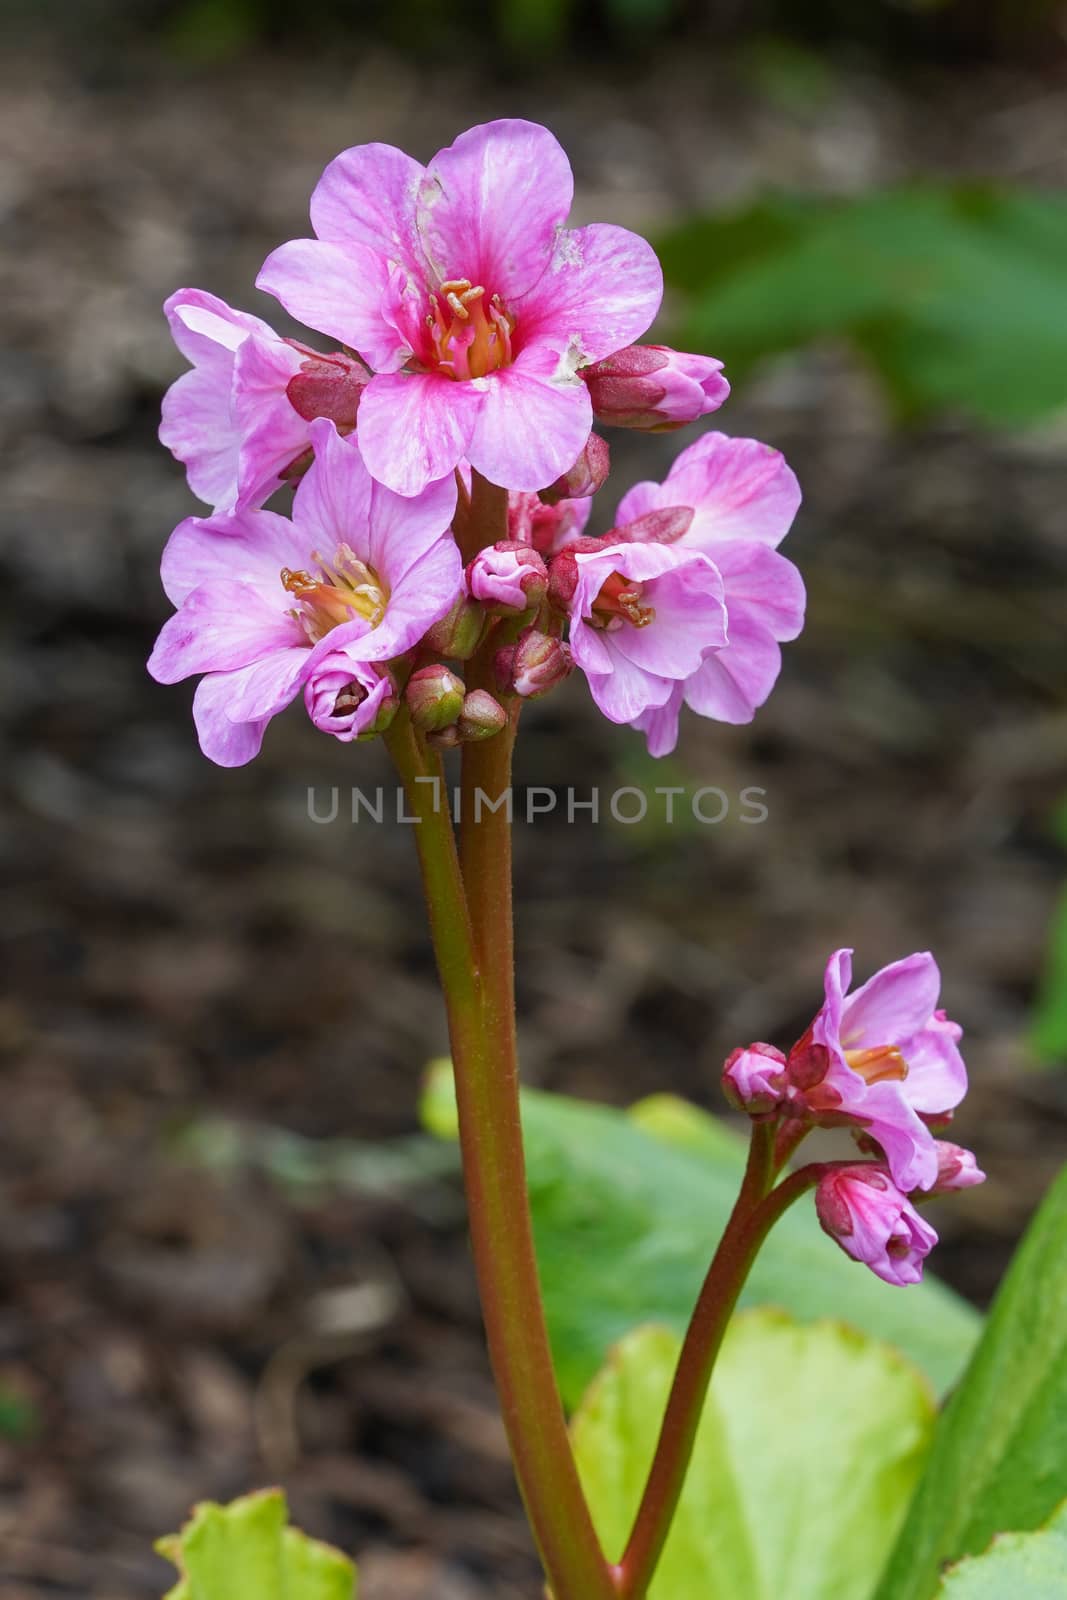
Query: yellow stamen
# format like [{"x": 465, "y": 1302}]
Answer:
[{"x": 882, "y": 1064}]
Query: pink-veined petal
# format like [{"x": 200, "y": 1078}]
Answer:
[
  {"x": 730, "y": 685},
  {"x": 492, "y": 204},
  {"x": 243, "y": 547},
  {"x": 601, "y": 290},
  {"x": 367, "y": 196},
  {"x": 529, "y": 430},
  {"x": 738, "y": 488},
  {"x": 345, "y": 290},
  {"x": 219, "y": 628},
  {"x": 761, "y": 585},
  {"x": 198, "y": 429},
  {"x": 898, "y": 1001},
  {"x": 228, "y": 744},
  {"x": 271, "y": 432},
  {"x": 415, "y": 427}
]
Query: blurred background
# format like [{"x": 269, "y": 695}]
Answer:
[{"x": 229, "y": 1253}]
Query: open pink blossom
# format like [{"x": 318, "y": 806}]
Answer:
[
  {"x": 884, "y": 1058},
  {"x": 873, "y": 1222},
  {"x": 743, "y": 499},
  {"x": 241, "y": 417},
  {"x": 643, "y": 617},
  {"x": 266, "y": 604},
  {"x": 462, "y": 289}
]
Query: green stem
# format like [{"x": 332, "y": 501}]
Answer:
[
  {"x": 753, "y": 1217},
  {"x": 469, "y": 899}
]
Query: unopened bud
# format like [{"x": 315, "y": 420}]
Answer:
[
  {"x": 459, "y": 632},
  {"x": 588, "y": 474},
  {"x": 481, "y": 717},
  {"x": 508, "y": 578},
  {"x": 808, "y": 1064},
  {"x": 533, "y": 665},
  {"x": 445, "y": 738},
  {"x": 562, "y": 580},
  {"x": 753, "y": 1079},
  {"x": 652, "y": 387},
  {"x": 666, "y": 525},
  {"x": 956, "y": 1168},
  {"x": 434, "y": 696}
]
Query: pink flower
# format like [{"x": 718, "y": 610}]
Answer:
[
  {"x": 241, "y": 417},
  {"x": 874, "y": 1223},
  {"x": 643, "y": 618},
  {"x": 743, "y": 498},
  {"x": 508, "y": 577},
  {"x": 266, "y": 605},
  {"x": 349, "y": 698},
  {"x": 884, "y": 1058},
  {"x": 461, "y": 288},
  {"x": 652, "y": 387},
  {"x": 754, "y": 1080}
]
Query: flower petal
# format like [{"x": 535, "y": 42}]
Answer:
[
  {"x": 760, "y": 585},
  {"x": 198, "y": 430},
  {"x": 367, "y": 196},
  {"x": 491, "y": 205},
  {"x": 201, "y": 324},
  {"x": 415, "y": 427},
  {"x": 897, "y": 1002},
  {"x": 220, "y": 627},
  {"x": 272, "y": 433},
  {"x": 690, "y": 620},
  {"x": 262, "y": 689},
  {"x": 529, "y": 431},
  {"x": 660, "y": 724},
  {"x": 738, "y": 488},
  {"x": 732, "y": 683},
  {"x": 345, "y": 290},
  {"x": 332, "y": 504},
  {"x": 236, "y": 547},
  {"x": 602, "y": 289},
  {"x": 228, "y": 744}
]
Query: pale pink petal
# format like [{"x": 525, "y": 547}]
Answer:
[
  {"x": 404, "y": 528},
  {"x": 910, "y": 1147},
  {"x": 220, "y": 627},
  {"x": 529, "y": 430},
  {"x": 660, "y": 724},
  {"x": 198, "y": 430},
  {"x": 739, "y": 489},
  {"x": 627, "y": 690},
  {"x": 272, "y": 433},
  {"x": 415, "y": 427},
  {"x": 898, "y": 1001},
  {"x": 264, "y": 688},
  {"x": 244, "y": 547},
  {"x": 690, "y": 620},
  {"x": 601, "y": 291},
  {"x": 344, "y": 290},
  {"x": 422, "y": 598},
  {"x": 201, "y": 323},
  {"x": 367, "y": 197},
  {"x": 492, "y": 204},
  {"x": 228, "y": 744},
  {"x": 637, "y": 502},
  {"x": 760, "y": 585},
  {"x": 731, "y": 684},
  {"x": 937, "y": 1075},
  {"x": 589, "y": 649},
  {"x": 332, "y": 504}
]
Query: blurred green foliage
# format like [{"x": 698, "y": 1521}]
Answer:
[
  {"x": 953, "y": 294},
  {"x": 1027, "y": 1566},
  {"x": 1049, "y": 1035},
  {"x": 247, "y": 1551}
]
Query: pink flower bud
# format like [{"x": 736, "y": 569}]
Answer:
[
  {"x": 753, "y": 1079},
  {"x": 434, "y": 696},
  {"x": 533, "y": 665},
  {"x": 459, "y": 632},
  {"x": 547, "y": 528},
  {"x": 350, "y": 699},
  {"x": 481, "y": 717},
  {"x": 873, "y": 1222},
  {"x": 329, "y": 386},
  {"x": 652, "y": 387},
  {"x": 562, "y": 580},
  {"x": 588, "y": 474},
  {"x": 508, "y": 577},
  {"x": 956, "y": 1168}
]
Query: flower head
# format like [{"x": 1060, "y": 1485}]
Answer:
[
  {"x": 743, "y": 498},
  {"x": 473, "y": 304},
  {"x": 240, "y": 420},
  {"x": 652, "y": 387},
  {"x": 873, "y": 1222},
  {"x": 268, "y": 605},
  {"x": 883, "y": 1058},
  {"x": 643, "y": 617},
  {"x": 753, "y": 1080}
]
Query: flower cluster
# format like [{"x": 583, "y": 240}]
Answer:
[
  {"x": 884, "y": 1062},
  {"x": 475, "y": 338}
]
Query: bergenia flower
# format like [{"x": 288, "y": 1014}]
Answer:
[
  {"x": 268, "y": 605},
  {"x": 873, "y": 1222},
  {"x": 239, "y": 421},
  {"x": 884, "y": 1058},
  {"x": 461, "y": 288},
  {"x": 743, "y": 498},
  {"x": 643, "y": 617},
  {"x": 754, "y": 1079},
  {"x": 956, "y": 1168},
  {"x": 654, "y": 388}
]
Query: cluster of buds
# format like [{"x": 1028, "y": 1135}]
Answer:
[
  {"x": 441, "y": 708},
  {"x": 884, "y": 1063}
]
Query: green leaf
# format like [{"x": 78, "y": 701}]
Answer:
[
  {"x": 808, "y": 1450},
  {"x": 628, "y": 1209},
  {"x": 1050, "y": 1020},
  {"x": 999, "y": 1459},
  {"x": 1026, "y": 1566},
  {"x": 246, "y": 1549},
  {"x": 955, "y": 294}
]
